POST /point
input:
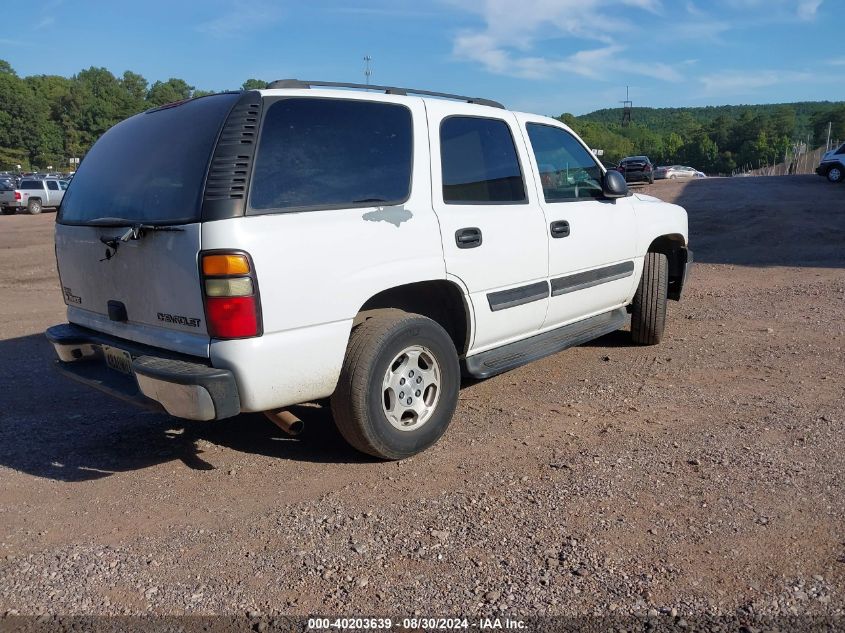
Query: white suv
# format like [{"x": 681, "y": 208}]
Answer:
[{"x": 251, "y": 251}]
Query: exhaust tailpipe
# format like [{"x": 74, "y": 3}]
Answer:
[{"x": 286, "y": 421}]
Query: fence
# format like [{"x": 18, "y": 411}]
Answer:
[{"x": 798, "y": 160}]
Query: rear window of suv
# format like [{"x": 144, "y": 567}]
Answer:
[
  {"x": 149, "y": 168},
  {"x": 318, "y": 153}
]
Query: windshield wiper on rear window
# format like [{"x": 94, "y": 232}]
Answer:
[{"x": 134, "y": 232}]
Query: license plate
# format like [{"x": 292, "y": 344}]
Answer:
[{"x": 118, "y": 359}]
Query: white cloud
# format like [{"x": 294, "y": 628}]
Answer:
[
  {"x": 807, "y": 8},
  {"x": 240, "y": 18},
  {"x": 803, "y": 9},
  {"x": 511, "y": 41},
  {"x": 734, "y": 82}
]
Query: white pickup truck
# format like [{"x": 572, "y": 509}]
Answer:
[
  {"x": 244, "y": 252},
  {"x": 33, "y": 195}
]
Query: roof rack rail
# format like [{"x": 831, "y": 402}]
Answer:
[{"x": 391, "y": 90}]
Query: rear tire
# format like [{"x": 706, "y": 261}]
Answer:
[
  {"x": 387, "y": 348},
  {"x": 33, "y": 207},
  {"x": 834, "y": 174},
  {"x": 648, "y": 317}
]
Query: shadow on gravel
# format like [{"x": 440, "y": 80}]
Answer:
[
  {"x": 54, "y": 428},
  {"x": 765, "y": 221}
]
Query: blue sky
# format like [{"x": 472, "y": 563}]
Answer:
[{"x": 545, "y": 56}]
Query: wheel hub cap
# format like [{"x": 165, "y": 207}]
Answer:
[{"x": 411, "y": 388}]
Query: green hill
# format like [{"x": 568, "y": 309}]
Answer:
[{"x": 715, "y": 139}]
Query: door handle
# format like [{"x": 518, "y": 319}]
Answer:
[
  {"x": 559, "y": 228},
  {"x": 468, "y": 238}
]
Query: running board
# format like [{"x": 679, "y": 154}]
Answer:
[{"x": 512, "y": 355}]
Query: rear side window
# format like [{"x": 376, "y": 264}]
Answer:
[
  {"x": 52, "y": 185},
  {"x": 567, "y": 170},
  {"x": 31, "y": 184},
  {"x": 332, "y": 154},
  {"x": 479, "y": 162}
]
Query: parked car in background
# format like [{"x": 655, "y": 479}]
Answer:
[
  {"x": 673, "y": 172},
  {"x": 832, "y": 165},
  {"x": 636, "y": 169},
  {"x": 33, "y": 195}
]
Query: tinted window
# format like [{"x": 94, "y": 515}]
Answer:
[
  {"x": 32, "y": 184},
  {"x": 479, "y": 162},
  {"x": 841, "y": 150},
  {"x": 52, "y": 185},
  {"x": 149, "y": 168},
  {"x": 63, "y": 184},
  {"x": 332, "y": 153},
  {"x": 568, "y": 170}
]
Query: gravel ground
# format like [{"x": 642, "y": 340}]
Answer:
[{"x": 698, "y": 477}]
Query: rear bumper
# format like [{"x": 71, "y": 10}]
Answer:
[
  {"x": 638, "y": 176},
  {"x": 181, "y": 385}
]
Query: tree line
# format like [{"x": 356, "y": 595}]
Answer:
[
  {"x": 716, "y": 139},
  {"x": 47, "y": 119}
]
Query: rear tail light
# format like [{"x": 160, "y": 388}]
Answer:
[
  {"x": 230, "y": 291},
  {"x": 17, "y": 195},
  {"x": 647, "y": 167}
]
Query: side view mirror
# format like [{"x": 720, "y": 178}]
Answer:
[{"x": 614, "y": 185}]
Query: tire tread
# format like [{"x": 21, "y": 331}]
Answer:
[{"x": 648, "y": 319}]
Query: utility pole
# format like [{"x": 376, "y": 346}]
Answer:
[
  {"x": 626, "y": 109},
  {"x": 827, "y": 145},
  {"x": 367, "y": 71}
]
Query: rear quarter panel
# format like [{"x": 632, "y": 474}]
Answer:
[{"x": 315, "y": 269}]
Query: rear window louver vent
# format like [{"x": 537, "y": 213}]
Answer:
[{"x": 228, "y": 175}]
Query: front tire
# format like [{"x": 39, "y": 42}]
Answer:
[
  {"x": 34, "y": 207},
  {"x": 648, "y": 317},
  {"x": 389, "y": 354},
  {"x": 834, "y": 174}
]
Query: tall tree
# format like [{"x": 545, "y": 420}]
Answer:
[
  {"x": 254, "y": 84},
  {"x": 164, "y": 92}
]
